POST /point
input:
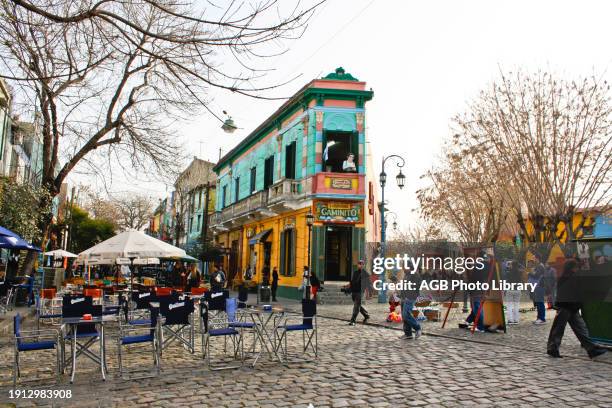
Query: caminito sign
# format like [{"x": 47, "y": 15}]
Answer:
[{"x": 329, "y": 211}]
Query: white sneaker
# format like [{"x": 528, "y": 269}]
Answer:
[
  {"x": 539, "y": 322},
  {"x": 417, "y": 334}
]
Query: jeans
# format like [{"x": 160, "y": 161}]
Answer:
[
  {"x": 472, "y": 315},
  {"x": 541, "y": 308},
  {"x": 357, "y": 307},
  {"x": 409, "y": 321},
  {"x": 577, "y": 324},
  {"x": 512, "y": 300}
]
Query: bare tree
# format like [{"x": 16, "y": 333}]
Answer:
[
  {"x": 544, "y": 148},
  {"x": 134, "y": 211},
  {"x": 108, "y": 78}
]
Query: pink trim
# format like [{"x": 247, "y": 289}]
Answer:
[
  {"x": 339, "y": 103},
  {"x": 335, "y": 84}
]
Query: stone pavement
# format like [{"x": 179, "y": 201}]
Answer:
[{"x": 364, "y": 365}]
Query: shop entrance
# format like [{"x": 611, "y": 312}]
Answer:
[{"x": 338, "y": 252}]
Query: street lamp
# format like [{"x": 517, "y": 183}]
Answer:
[
  {"x": 394, "y": 224},
  {"x": 401, "y": 181},
  {"x": 309, "y": 223}
]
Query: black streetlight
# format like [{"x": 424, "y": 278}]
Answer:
[
  {"x": 394, "y": 224},
  {"x": 401, "y": 181},
  {"x": 309, "y": 223}
]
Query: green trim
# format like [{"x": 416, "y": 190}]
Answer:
[
  {"x": 299, "y": 100},
  {"x": 289, "y": 292}
]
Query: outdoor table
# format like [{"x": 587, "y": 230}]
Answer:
[
  {"x": 73, "y": 322},
  {"x": 261, "y": 318}
]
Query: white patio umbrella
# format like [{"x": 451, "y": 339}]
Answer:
[
  {"x": 60, "y": 253},
  {"x": 130, "y": 244}
]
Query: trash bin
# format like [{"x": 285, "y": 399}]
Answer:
[{"x": 264, "y": 294}]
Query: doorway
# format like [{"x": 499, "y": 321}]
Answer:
[{"x": 338, "y": 252}]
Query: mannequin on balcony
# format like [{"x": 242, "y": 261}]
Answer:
[{"x": 348, "y": 166}]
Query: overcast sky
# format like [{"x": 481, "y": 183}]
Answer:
[{"x": 424, "y": 61}]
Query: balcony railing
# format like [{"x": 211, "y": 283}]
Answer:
[
  {"x": 284, "y": 190},
  {"x": 287, "y": 190}
]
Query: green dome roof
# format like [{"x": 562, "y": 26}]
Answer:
[{"x": 341, "y": 75}]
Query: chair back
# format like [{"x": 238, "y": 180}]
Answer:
[
  {"x": 94, "y": 293},
  {"x": 17, "y": 326},
  {"x": 161, "y": 291},
  {"x": 77, "y": 306},
  {"x": 309, "y": 310},
  {"x": 231, "y": 305},
  {"x": 48, "y": 293},
  {"x": 198, "y": 291},
  {"x": 243, "y": 296},
  {"x": 216, "y": 299},
  {"x": 176, "y": 311},
  {"x": 143, "y": 299}
]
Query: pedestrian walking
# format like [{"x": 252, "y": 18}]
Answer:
[
  {"x": 274, "y": 283},
  {"x": 512, "y": 298},
  {"x": 568, "y": 311},
  {"x": 538, "y": 277},
  {"x": 217, "y": 279},
  {"x": 475, "y": 276},
  {"x": 358, "y": 284},
  {"x": 408, "y": 297}
]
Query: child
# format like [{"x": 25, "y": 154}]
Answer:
[{"x": 394, "y": 302}]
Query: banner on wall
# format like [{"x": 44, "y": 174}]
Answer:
[{"x": 339, "y": 212}]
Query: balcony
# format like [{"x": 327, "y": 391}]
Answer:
[
  {"x": 338, "y": 184},
  {"x": 287, "y": 194}
]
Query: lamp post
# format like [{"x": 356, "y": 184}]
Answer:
[
  {"x": 401, "y": 180},
  {"x": 394, "y": 224},
  {"x": 309, "y": 223}
]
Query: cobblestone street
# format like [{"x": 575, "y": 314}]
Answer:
[{"x": 358, "y": 366}]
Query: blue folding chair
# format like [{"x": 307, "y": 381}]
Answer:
[
  {"x": 43, "y": 340},
  {"x": 140, "y": 312},
  {"x": 82, "y": 336},
  {"x": 212, "y": 327},
  {"x": 133, "y": 333},
  {"x": 307, "y": 324},
  {"x": 177, "y": 324}
]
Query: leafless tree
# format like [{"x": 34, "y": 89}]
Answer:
[
  {"x": 544, "y": 148},
  {"x": 107, "y": 79},
  {"x": 134, "y": 211}
]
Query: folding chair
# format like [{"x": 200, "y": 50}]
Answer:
[
  {"x": 453, "y": 310},
  {"x": 131, "y": 334},
  {"x": 140, "y": 313},
  {"x": 44, "y": 340},
  {"x": 308, "y": 327},
  {"x": 44, "y": 308},
  {"x": 177, "y": 324},
  {"x": 77, "y": 306},
  {"x": 243, "y": 296},
  {"x": 212, "y": 327}
]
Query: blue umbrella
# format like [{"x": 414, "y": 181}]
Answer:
[
  {"x": 8, "y": 233},
  {"x": 9, "y": 242}
]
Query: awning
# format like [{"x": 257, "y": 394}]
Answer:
[{"x": 259, "y": 237}]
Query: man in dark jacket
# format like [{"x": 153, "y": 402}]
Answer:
[
  {"x": 274, "y": 283},
  {"x": 359, "y": 282},
  {"x": 568, "y": 311}
]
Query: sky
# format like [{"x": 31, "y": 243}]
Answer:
[{"x": 424, "y": 61}]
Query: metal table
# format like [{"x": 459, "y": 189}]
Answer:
[
  {"x": 261, "y": 318},
  {"x": 73, "y": 323}
]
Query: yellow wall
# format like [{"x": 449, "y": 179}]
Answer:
[
  {"x": 277, "y": 224},
  {"x": 577, "y": 219}
]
